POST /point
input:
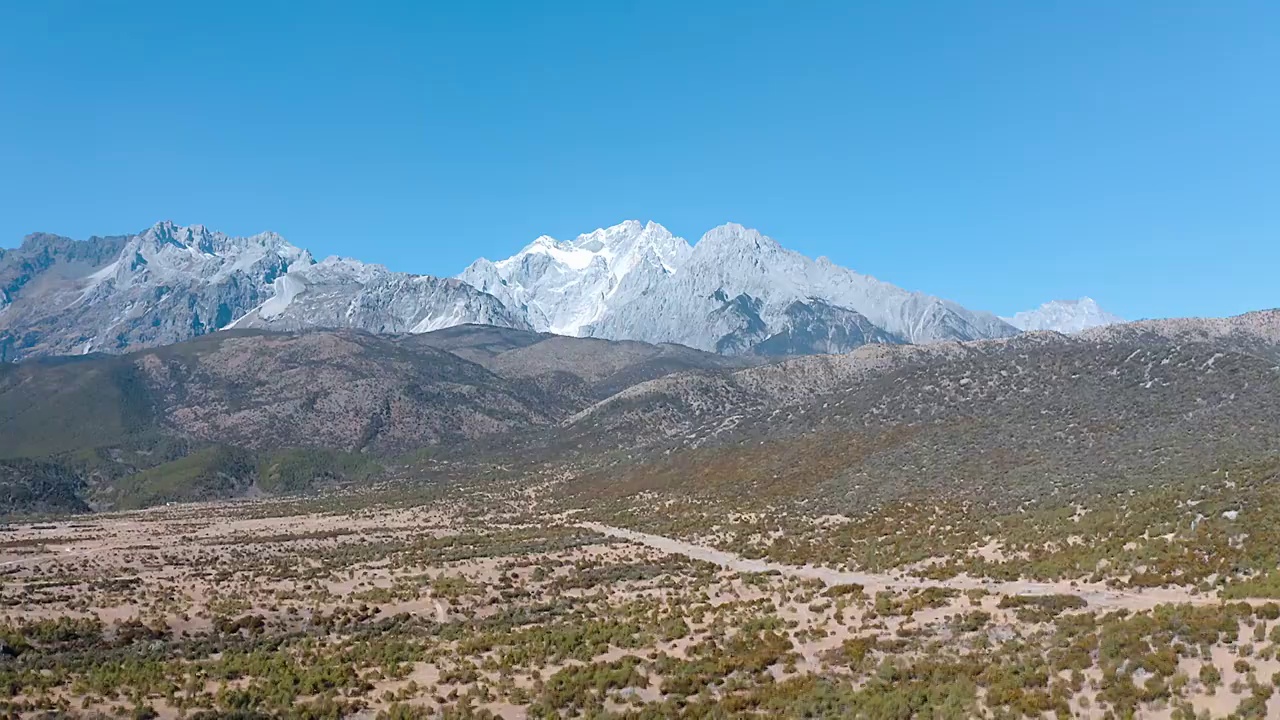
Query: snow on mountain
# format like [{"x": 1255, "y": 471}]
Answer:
[
  {"x": 170, "y": 282},
  {"x": 162, "y": 285},
  {"x": 1064, "y": 316},
  {"x": 167, "y": 254},
  {"x": 735, "y": 291},
  {"x": 563, "y": 287}
]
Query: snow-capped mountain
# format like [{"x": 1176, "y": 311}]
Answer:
[
  {"x": 169, "y": 283},
  {"x": 160, "y": 286},
  {"x": 1064, "y": 316},
  {"x": 735, "y": 291}
]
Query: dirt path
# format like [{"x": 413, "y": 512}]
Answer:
[{"x": 1098, "y": 596}]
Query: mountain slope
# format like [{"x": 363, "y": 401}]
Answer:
[
  {"x": 1257, "y": 332},
  {"x": 733, "y": 292},
  {"x": 342, "y": 390},
  {"x": 1001, "y": 422},
  {"x": 32, "y": 487},
  {"x": 346, "y": 390},
  {"x": 586, "y": 369},
  {"x": 211, "y": 416}
]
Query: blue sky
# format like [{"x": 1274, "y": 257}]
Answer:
[{"x": 996, "y": 153}]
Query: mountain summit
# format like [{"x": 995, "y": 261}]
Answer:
[
  {"x": 1064, "y": 316},
  {"x": 564, "y": 287},
  {"x": 735, "y": 291}
]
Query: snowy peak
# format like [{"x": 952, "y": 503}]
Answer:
[
  {"x": 639, "y": 282},
  {"x": 732, "y": 237},
  {"x": 199, "y": 239},
  {"x": 564, "y": 286},
  {"x": 334, "y": 269},
  {"x": 195, "y": 252},
  {"x": 564, "y": 253},
  {"x": 167, "y": 232},
  {"x": 620, "y": 247},
  {"x": 1064, "y": 316}
]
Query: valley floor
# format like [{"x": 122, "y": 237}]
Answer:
[{"x": 446, "y": 609}]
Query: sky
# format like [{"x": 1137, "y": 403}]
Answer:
[{"x": 999, "y": 154}]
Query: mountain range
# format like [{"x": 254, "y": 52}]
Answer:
[{"x": 734, "y": 292}]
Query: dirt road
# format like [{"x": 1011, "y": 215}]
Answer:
[{"x": 1098, "y": 596}]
